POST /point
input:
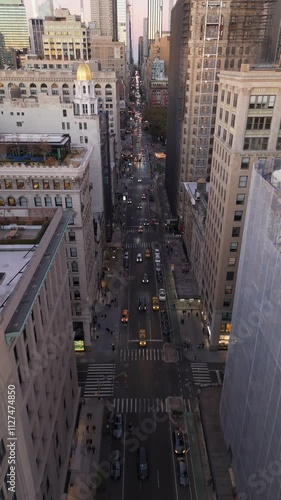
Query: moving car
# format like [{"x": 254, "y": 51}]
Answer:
[
  {"x": 147, "y": 253},
  {"x": 155, "y": 303},
  {"x": 115, "y": 465},
  {"x": 142, "y": 338},
  {"x": 118, "y": 426},
  {"x": 125, "y": 316},
  {"x": 178, "y": 441},
  {"x": 140, "y": 229},
  {"x": 157, "y": 257},
  {"x": 139, "y": 257},
  {"x": 129, "y": 201},
  {"x": 139, "y": 207},
  {"x": 126, "y": 255},
  {"x": 142, "y": 463},
  {"x": 162, "y": 295},
  {"x": 143, "y": 196},
  {"x": 146, "y": 222},
  {"x": 145, "y": 279},
  {"x": 142, "y": 304},
  {"x": 159, "y": 276},
  {"x": 139, "y": 180},
  {"x": 157, "y": 251},
  {"x": 182, "y": 472},
  {"x": 158, "y": 266}
]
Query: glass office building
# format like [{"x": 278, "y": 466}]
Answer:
[{"x": 13, "y": 24}]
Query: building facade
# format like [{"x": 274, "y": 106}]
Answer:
[
  {"x": 13, "y": 14},
  {"x": 155, "y": 18},
  {"x": 205, "y": 38},
  {"x": 65, "y": 37},
  {"x": 122, "y": 21},
  {"x": 247, "y": 129},
  {"x": 111, "y": 55},
  {"x": 104, "y": 18},
  {"x": 65, "y": 183},
  {"x": 250, "y": 403},
  {"x": 37, "y": 358},
  {"x": 36, "y": 32}
]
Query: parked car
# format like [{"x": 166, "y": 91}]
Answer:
[
  {"x": 179, "y": 447},
  {"x": 182, "y": 472},
  {"x": 142, "y": 463},
  {"x": 115, "y": 465},
  {"x": 139, "y": 257},
  {"x": 162, "y": 295},
  {"x": 118, "y": 426}
]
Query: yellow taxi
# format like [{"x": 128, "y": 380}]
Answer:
[
  {"x": 142, "y": 338},
  {"x": 125, "y": 316},
  {"x": 147, "y": 253},
  {"x": 140, "y": 229},
  {"x": 155, "y": 303}
]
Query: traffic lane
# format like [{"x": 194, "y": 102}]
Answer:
[{"x": 151, "y": 431}]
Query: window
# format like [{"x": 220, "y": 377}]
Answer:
[
  {"x": 2, "y": 202},
  {"x": 227, "y": 316},
  {"x": 85, "y": 109},
  {"x": 86, "y": 140},
  {"x": 56, "y": 184},
  {"x": 64, "y": 112},
  {"x": 222, "y": 95},
  {"x": 235, "y": 99},
  {"x": 11, "y": 201},
  {"x": 48, "y": 201},
  {"x": 71, "y": 236},
  {"x": 245, "y": 163},
  {"x": 224, "y": 134},
  {"x": 231, "y": 261},
  {"x": 74, "y": 266},
  {"x": 232, "y": 123},
  {"x": 8, "y": 184},
  {"x": 19, "y": 124},
  {"x": 76, "y": 295},
  {"x": 76, "y": 282},
  {"x": 35, "y": 184},
  {"x": 226, "y": 302},
  {"x": 258, "y": 123},
  {"x": 278, "y": 143},
  {"x": 68, "y": 125},
  {"x": 233, "y": 246},
  {"x": 256, "y": 143},
  {"x": 228, "y": 289},
  {"x": 37, "y": 201},
  {"x": 58, "y": 201},
  {"x": 68, "y": 202},
  {"x": 20, "y": 184},
  {"x": 236, "y": 232},
  {"x": 221, "y": 113},
  {"x": 81, "y": 139},
  {"x": 80, "y": 126},
  {"x": 238, "y": 215},
  {"x": 46, "y": 184},
  {"x": 73, "y": 252},
  {"x": 63, "y": 126},
  {"x": 2, "y": 450},
  {"x": 66, "y": 184},
  {"x": 262, "y": 101},
  {"x": 226, "y": 116},
  {"x": 243, "y": 179},
  {"x": 78, "y": 310},
  {"x": 230, "y": 141},
  {"x": 228, "y": 98},
  {"x": 85, "y": 126},
  {"x": 23, "y": 202},
  {"x": 230, "y": 276},
  {"x": 240, "y": 199}
]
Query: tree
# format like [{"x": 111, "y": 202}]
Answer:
[{"x": 157, "y": 123}]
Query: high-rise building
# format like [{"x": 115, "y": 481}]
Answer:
[
  {"x": 36, "y": 32},
  {"x": 155, "y": 18},
  {"x": 140, "y": 51},
  {"x": 145, "y": 37},
  {"x": 205, "y": 38},
  {"x": 73, "y": 45},
  {"x": 110, "y": 54},
  {"x": 104, "y": 18},
  {"x": 13, "y": 24},
  {"x": 250, "y": 403},
  {"x": 46, "y": 9},
  {"x": 171, "y": 5},
  {"x": 247, "y": 129},
  {"x": 37, "y": 362},
  {"x": 122, "y": 20}
]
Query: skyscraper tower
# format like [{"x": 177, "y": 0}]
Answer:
[
  {"x": 155, "y": 18},
  {"x": 104, "y": 18},
  {"x": 205, "y": 37},
  {"x": 13, "y": 24},
  {"x": 171, "y": 5}
]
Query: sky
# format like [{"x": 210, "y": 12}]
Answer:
[{"x": 138, "y": 8}]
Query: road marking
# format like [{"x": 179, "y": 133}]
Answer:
[
  {"x": 158, "y": 481},
  {"x": 124, "y": 458}
]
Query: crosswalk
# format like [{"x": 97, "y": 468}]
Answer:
[
  {"x": 135, "y": 230},
  {"x": 141, "y": 354},
  {"x": 137, "y": 245},
  {"x": 200, "y": 372},
  {"x": 100, "y": 380},
  {"x": 137, "y": 405}
]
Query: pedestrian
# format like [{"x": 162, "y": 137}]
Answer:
[
  {"x": 89, "y": 448},
  {"x": 191, "y": 310},
  {"x": 93, "y": 450},
  {"x": 87, "y": 428},
  {"x": 195, "y": 358},
  {"x": 90, "y": 415},
  {"x": 98, "y": 326},
  {"x": 104, "y": 316},
  {"x": 174, "y": 306},
  {"x": 90, "y": 441},
  {"x": 93, "y": 427}
]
